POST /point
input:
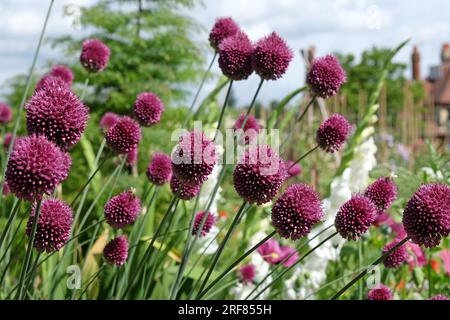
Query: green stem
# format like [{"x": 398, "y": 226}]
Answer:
[
  {"x": 310, "y": 103},
  {"x": 303, "y": 156},
  {"x": 222, "y": 112},
  {"x": 12, "y": 216},
  {"x": 252, "y": 104}
]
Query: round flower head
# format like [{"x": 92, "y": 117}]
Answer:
[
  {"x": 380, "y": 292},
  {"x": 293, "y": 170},
  {"x": 333, "y": 132},
  {"x": 271, "y": 57},
  {"x": 62, "y": 72},
  {"x": 94, "y": 55},
  {"x": 132, "y": 156},
  {"x": 235, "y": 56},
  {"x": 116, "y": 251},
  {"x": 184, "y": 191},
  {"x": 159, "y": 170},
  {"x": 397, "y": 257},
  {"x": 123, "y": 136},
  {"x": 122, "y": 210},
  {"x": 194, "y": 158},
  {"x": 325, "y": 76},
  {"x": 58, "y": 114},
  {"x": 148, "y": 109},
  {"x": 209, "y": 223},
  {"x": 5, "y": 113},
  {"x": 251, "y": 129},
  {"x": 427, "y": 215},
  {"x": 48, "y": 82},
  {"x": 355, "y": 217},
  {"x": 108, "y": 120},
  {"x": 382, "y": 192},
  {"x": 223, "y": 28},
  {"x": 53, "y": 227},
  {"x": 439, "y": 297},
  {"x": 258, "y": 175},
  {"x": 7, "y": 140},
  {"x": 247, "y": 273},
  {"x": 296, "y": 211},
  {"x": 36, "y": 166}
]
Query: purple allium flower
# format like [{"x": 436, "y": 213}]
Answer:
[
  {"x": 355, "y": 217},
  {"x": 288, "y": 256},
  {"x": 94, "y": 55},
  {"x": 439, "y": 297},
  {"x": 159, "y": 170},
  {"x": 326, "y": 76},
  {"x": 187, "y": 192},
  {"x": 148, "y": 109},
  {"x": 247, "y": 273},
  {"x": 333, "y": 132},
  {"x": 7, "y": 140},
  {"x": 251, "y": 130},
  {"x": 63, "y": 72},
  {"x": 426, "y": 217},
  {"x": 259, "y": 174},
  {"x": 293, "y": 170},
  {"x": 194, "y": 158},
  {"x": 54, "y": 225},
  {"x": 132, "y": 156},
  {"x": 382, "y": 192},
  {"x": 48, "y": 82},
  {"x": 116, "y": 251},
  {"x": 296, "y": 211},
  {"x": 6, "y": 190},
  {"x": 235, "y": 56},
  {"x": 108, "y": 120},
  {"x": 271, "y": 57},
  {"x": 270, "y": 251},
  {"x": 398, "y": 257},
  {"x": 124, "y": 135},
  {"x": 380, "y": 292},
  {"x": 209, "y": 223},
  {"x": 122, "y": 210},
  {"x": 5, "y": 113},
  {"x": 223, "y": 28},
  {"x": 58, "y": 114},
  {"x": 36, "y": 166}
]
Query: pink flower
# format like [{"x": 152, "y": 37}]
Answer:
[
  {"x": 270, "y": 251},
  {"x": 288, "y": 256},
  {"x": 445, "y": 256}
]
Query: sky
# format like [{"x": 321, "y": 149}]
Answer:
[{"x": 347, "y": 26}]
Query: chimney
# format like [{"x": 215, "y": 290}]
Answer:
[
  {"x": 415, "y": 58},
  {"x": 445, "y": 53}
]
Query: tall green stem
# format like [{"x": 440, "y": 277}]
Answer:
[
  {"x": 252, "y": 104},
  {"x": 222, "y": 112}
]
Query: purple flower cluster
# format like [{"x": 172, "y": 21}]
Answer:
[
  {"x": 247, "y": 273},
  {"x": 124, "y": 135},
  {"x": 108, "y": 120},
  {"x": 380, "y": 292},
  {"x": 62, "y": 72},
  {"x": 5, "y": 113},
  {"x": 116, "y": 251},
  {"x": 222, "y": 29},
  {"x": 397, "y": 257},
  {"x": 273, "y": 253},
  {"x": 209, "y": 223},
  {"x": 48, "y": 82},
  {"x": 250, "y": 130},
  {"x": 159, "y": 170},
  {"x": 333, "y": 132},
  {"x": 122, "y": 210},
  {"x": 94, "y": 55},
  {"x": 326, "y": 76},
  {"x": 185, "y": 191},
  {"x": 235, "y": 56},
  {"x": 148, "y": 109},
  {"x": 382, "y": 193}
]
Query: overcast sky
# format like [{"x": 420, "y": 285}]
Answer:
[{"x": 348, "y": 26}]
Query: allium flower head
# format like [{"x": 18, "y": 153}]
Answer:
[
  {"x": 58, "y": 114},
  {"x": 94, "y": 55},
  {"x": 380, "y": 292},
  {"x": 426, "y": 217},
  {"x": 296, "y": 211},
  {"x": 326, "y": 76},
  {"x": 247, "y": 273},
  {"x": 355, "y": 217},
  {"x": 36, "y": 166},
  {"x": 194, "y": 158},
  {"x": 184, "y": 190},
  {"x": 271, "y": 57},
  {"x": 259, "y": 174},
  {"x": 63, "y": 72},
  {"x": 251, "y": 129},
  {"x": 48, "y": 82},
  {"x": 235, "y": 56},
  {"x": 333, "y": 132},
  {"x": 382, "y": 192},
  {"x": 116, "y": 251},
  {"x": 54, "y": 225},
  {"x": 159, "y": 170},
  {"x": 209, "y": 223},
  {"x": 7, "y": 140},
  {"x": 148, "y": 109},
  {"x": 293, "y": 170},
  {"x": 108, "y": 120},
  {"x": 439, "y": 297},
  {"x": 223, "y": 28},
  {"x": 398, "y": 257},
  {"x": 122, "y": 210},
  {"x": 5, "y": 113},
  {"x": 123, "y": 136},
  {"x": 132, "y": 156}
]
